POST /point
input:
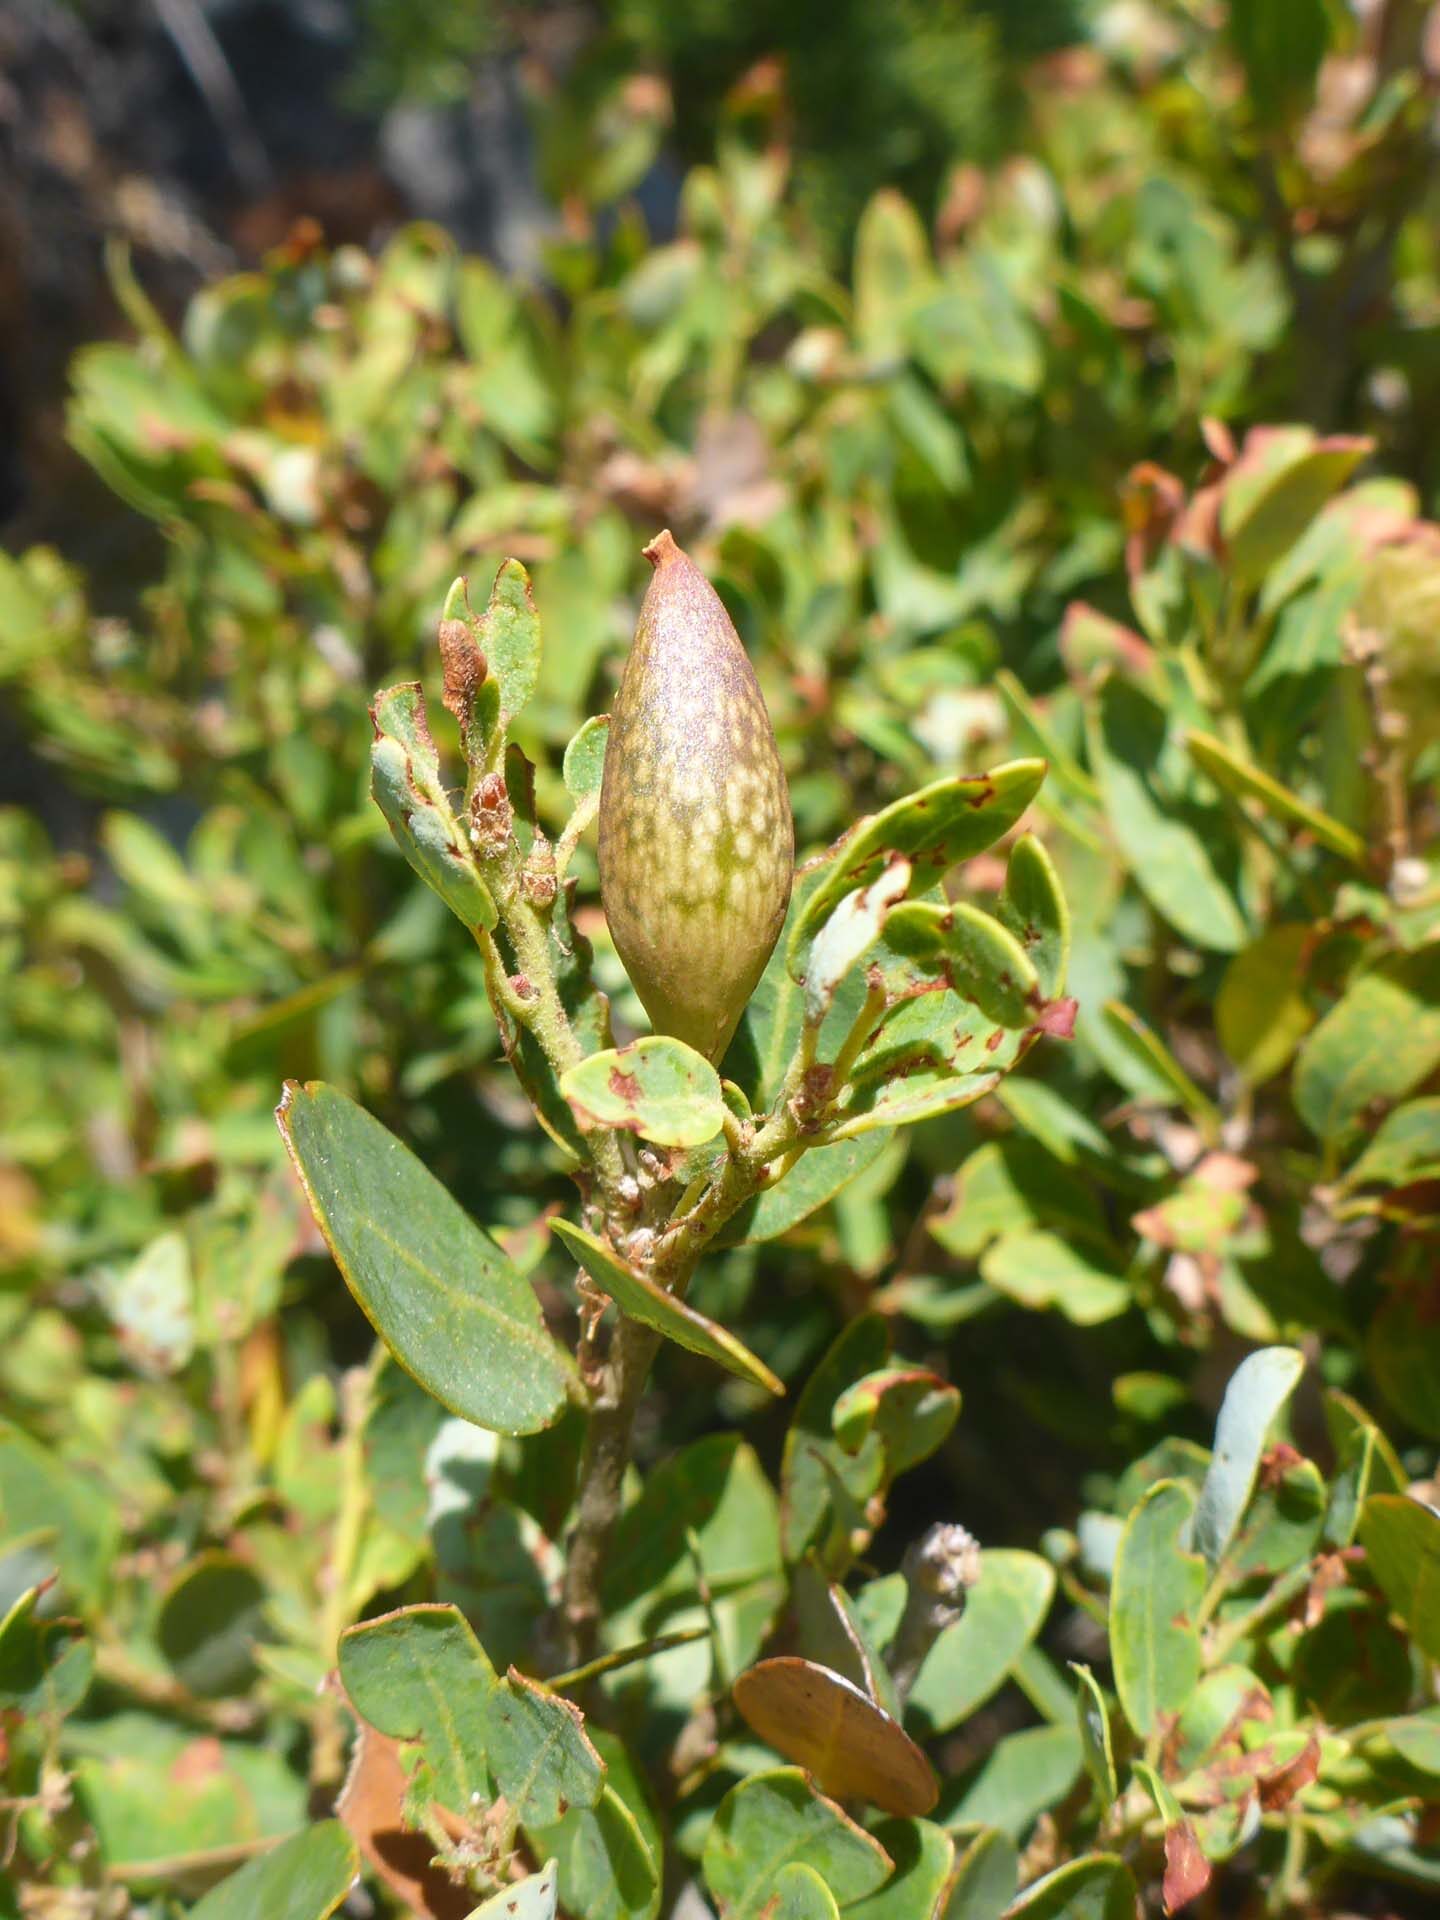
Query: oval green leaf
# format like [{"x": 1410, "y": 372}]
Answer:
[
  {"x": 442, "y": 1296},
  {"x": 1154, "y": 1595},
  {"x": 656, "y": 1087}
]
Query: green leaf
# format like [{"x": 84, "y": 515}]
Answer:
[
  {"x": 533, "y": 1898},
  {"x": 1098, "y": 1886},
  {"x": 909, "y": 1409},
  {"x": 538, "y": 1752},
  {"x": 1401, "y": 1538},
  {"x": 1154, "y": 1595},
  {"x": 209, "y": 1621},
  {"x": 604, "y": 1866},
  {"x": 772, "y": 1819},
  {"x": 152, "y": 1302},
  {"x": 1011, "y": 1185},
  {"x": 972, "y": 1659},
  {"x": 656, "y": 1087},
  {"x": 848, "y": 935},
  {"x": 831, "y": 1632},
  {"x": 1344, "y": 1418},
  {"x": 1280, "y": 47},
  {"x": 1379, "y": 1041},
  {"x": 1023, "y": 1776},
  {"x": 1261, "y": 1012},
  {"x": 974, "y": 954},
  {"x": 1171, "y": 863},
  {"x": 1247, "y": 782},
  {"x": 420, "y": 1674},
  {"x": 1281, "y": 481},
  {"x": 1416, "y": 1738},
  {"x": 639, "y": 1298},
  {"x": 438, "y": 1291},
  {"x": 1406, "y": 1147},
  {"x": 584, "y": 764},
  {"x": 934, "y": 829},
  {"x": 305, "y": 1878},
  {"x": 893, "y": 273},
  {"x": 1033, "y": 908},
  {"x": 1228, "y": 1701},
  {"x": 1093, "y": 1716},
  {"x": 1360, "y": 1470},
  {"x": 44, "y": 1496},
  {"x": 509, "y": 637},
  {"x": 1258, "y": 1389},
  {"x": 923, "y": 1854},
  {"x": 1156, "y": 1060},
  {"x": 1040, "y": 1270},
  {"x": 984, "y": 1881},
  {"x": 1282, "y": 1524},
  {"x": 45, "y": 1665},
  {"x": 138, "y": 1784},
  {"x": 408, "y": 790},
  {"x": 800, "y": 1894}
]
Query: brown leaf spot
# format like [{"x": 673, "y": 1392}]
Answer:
[
  {"x": 625, "y": 1087},
  {"x": 197, "y": 1761}
]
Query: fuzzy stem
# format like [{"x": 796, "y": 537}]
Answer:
[{"x": 940, "y": 1568}]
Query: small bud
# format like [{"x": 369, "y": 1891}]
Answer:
[
  {"x": 537, "y": 876},
  {"x": 696, "y": 839},
  {"x": 490, "y": 816}
]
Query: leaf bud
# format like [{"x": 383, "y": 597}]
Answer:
[{"x": 696, "y": 838}]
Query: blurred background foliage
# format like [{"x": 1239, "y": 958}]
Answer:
[{"x": 951, "y": 338}]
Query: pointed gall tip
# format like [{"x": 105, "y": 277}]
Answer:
[{"x": 663, "y": 547}]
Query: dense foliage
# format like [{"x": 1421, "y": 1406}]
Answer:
[{"x": 1110, "y": 1232}]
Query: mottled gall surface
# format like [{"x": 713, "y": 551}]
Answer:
[{"x": 697, "y": 844}]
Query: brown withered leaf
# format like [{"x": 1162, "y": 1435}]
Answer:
[
  {"x": 369, "y": 1807},
  {"x": 1279, "y": 1788},
  {"x": 1187, "y": 1871}
]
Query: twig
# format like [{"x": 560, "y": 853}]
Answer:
[
  {"x": 204, "y": 60},
  {"x": 940, "y": 1568}
]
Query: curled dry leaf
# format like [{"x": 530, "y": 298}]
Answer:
[{"x": 824, "y": 1723}]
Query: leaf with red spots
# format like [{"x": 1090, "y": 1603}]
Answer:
[{"x": 656, "y": 1087}]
